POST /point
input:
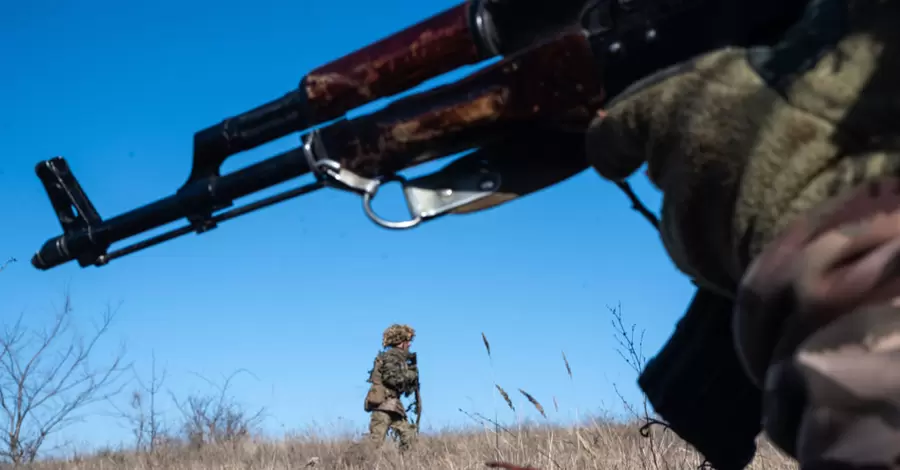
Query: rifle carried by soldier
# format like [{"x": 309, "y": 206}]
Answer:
[
  {"x": 413, "y": 361},
  {"x": 522, "y": 117}
]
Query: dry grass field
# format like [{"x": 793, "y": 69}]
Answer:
[
  {"x": 214, "y": 432},
  {"x": 598, "y": 445}
]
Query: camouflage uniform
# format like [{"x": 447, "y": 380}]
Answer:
[
  {"x": 392, "y": 376},
  {"x": 777, "y": 168}
]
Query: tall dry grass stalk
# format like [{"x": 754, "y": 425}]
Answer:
[
  {"x": 533, "y": 401},
  {"x": 568, "y": 367},
  {"x": 505, "y": 396}
]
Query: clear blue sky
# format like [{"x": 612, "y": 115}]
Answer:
[{"x": 299, "y": 293}]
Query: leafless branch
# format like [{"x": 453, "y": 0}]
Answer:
[
  {"x": 7, "y": 263},
  {"x": 216, "y": 418},
  {"x": 631, "y": 350},
  {"x": 144, "y": 418},
  {"x": 46, "y": 380}
]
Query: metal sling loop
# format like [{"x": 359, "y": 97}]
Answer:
[
  {"x": 333, "y": 174},
  {"x": 396, "y": 225}
]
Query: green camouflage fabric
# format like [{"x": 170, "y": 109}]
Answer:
[
  {"x": 382, "y": 421},
  {"x": 396, "y": 372},
  {"x": 818, "y": 327},
  {"x": 776, "y": 168},
  {"x": 399, "y": 379}
]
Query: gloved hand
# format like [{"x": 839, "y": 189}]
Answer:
[
  {"x": 817, "y": 318},
  {"x": 741, "y": 141},
  {"x": 694, "y": 125}
]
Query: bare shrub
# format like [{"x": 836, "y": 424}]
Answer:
[
  {"x": 216, "y": 418},
  {"x": 144, "y": 416},
  {"x": 46, "y": 381},
  {"x": 631, "y": 350}
]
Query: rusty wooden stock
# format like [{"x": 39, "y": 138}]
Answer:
[
  {"x": 557, "y": 81},
  {"x": 394, "y": 64}
]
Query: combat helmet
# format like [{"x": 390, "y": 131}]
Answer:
[{"x": 396, "y": 334}]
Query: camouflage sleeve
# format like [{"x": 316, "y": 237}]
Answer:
[
  {"x": 373, "y": 370},
  {"x": 396, "y": 374}
]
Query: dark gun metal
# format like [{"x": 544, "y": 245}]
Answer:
[{"x": 87, "y": 237}]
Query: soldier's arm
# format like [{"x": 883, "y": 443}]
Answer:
[
  {"x": 396, "y": 373},
  {"x": 374, "y": 370}
]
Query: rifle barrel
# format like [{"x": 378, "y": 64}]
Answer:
[{"x": 197, "y": 199}]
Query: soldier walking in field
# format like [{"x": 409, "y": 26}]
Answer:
[{"x": 393, "y": 375}]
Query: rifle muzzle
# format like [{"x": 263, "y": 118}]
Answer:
[{"x": 86, "y": 236}]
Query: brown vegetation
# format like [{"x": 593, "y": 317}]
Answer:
[{"x": 594, "y": 446}]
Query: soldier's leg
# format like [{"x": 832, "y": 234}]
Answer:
[
  {"x": 818, "y": 328},
  {"x": 379, "y": 423},
  {"x": 407, "y": 432}
]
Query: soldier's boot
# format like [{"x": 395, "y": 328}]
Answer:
[{"x": 818, "y": 329}]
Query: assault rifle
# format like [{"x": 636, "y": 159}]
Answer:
[
  {"x": 414, "y": 361},
  {"x": 418, "y": 405},
  {"x": 522, "y": 117}
]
